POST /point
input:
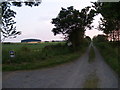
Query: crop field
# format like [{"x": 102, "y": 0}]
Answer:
[{"x": 32, "y": 56}]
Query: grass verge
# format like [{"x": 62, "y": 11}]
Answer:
[
  {"x": 91, "y": 55},
  {"x": 92, "y": 81},
  {"x": 110, "y": 54},
  {"x": 41, "y": 64}
]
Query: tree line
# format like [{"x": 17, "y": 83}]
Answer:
[{"x": 110, "y": 23}]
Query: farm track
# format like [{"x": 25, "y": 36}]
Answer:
[{"x": 70, "y": 75}]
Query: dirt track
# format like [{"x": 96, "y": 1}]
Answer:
[{"x": 70, "y": 75}]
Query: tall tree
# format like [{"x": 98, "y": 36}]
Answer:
[
  {"x": 72, "y": 24},
  {"x": 110, "y": 23}
]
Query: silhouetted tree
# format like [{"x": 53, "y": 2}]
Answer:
[
  {"x": 72, "y": 24},
  {"x": 88, "y": 38},
  {"x": 8, "y": 15},
  {"x": 100, "y": 38},
  {"x": 110, "y": 23}
]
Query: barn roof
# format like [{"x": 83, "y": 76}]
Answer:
[{"x": 30, "y": 40}]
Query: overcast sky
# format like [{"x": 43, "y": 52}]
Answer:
[{"x": 35, "y": 22}]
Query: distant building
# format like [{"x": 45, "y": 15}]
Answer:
[{"x": 30, "y": 41}]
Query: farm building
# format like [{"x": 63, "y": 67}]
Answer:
[{"x": 30, "y": 41}]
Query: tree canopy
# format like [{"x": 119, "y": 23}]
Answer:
[
  {"x": 110, "y": 23},
  {"x": 8, "y": 15},
  {"x": 72, "y": 23},
  {"x": 100, "y": 38}
]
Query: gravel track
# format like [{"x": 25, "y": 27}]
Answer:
[{"x": 70, "y": 75}]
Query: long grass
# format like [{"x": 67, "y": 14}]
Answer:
[
  {"x": 110, "y": 54},
  {"x": 50, "y": 62}
]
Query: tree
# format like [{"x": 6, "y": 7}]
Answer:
[
  {"x": 8, "y": 15},
  {"x": 100, "y": 38},
  {"x": 72, "y": 24},
  {"x": 110, "y": 23},
  {"x": 88, "y": 38}
]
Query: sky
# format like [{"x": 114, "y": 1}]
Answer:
[{"x": 35, "y": 22}]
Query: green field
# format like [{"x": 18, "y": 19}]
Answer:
[
  {"x": 23, "y": 51},
  {"x": 34, "y": 56}
]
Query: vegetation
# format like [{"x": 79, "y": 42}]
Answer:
[
  {"x": 23, "y": 52},
  {"x": 8, "y": 15},
  {"x": 109, "y": 51},
  {"x": 110, "y": 25},
  {"x": 35, "y": 56},
  {"x": 92, "y": 81},
  {"x": 91, "y": 55},
  {"x": 28, "y": 56},
  {"x": 72, "y": 24}
]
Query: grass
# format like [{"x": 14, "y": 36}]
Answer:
[
  {"x": 24, "y": 52},
  {"x": 110, "y": 53},
  {"x": 92, "y": 81},
  {"x": 41, "y": 64},
  {"x": 91, "y": 55},
  {"x": 35, "y": 56}
]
